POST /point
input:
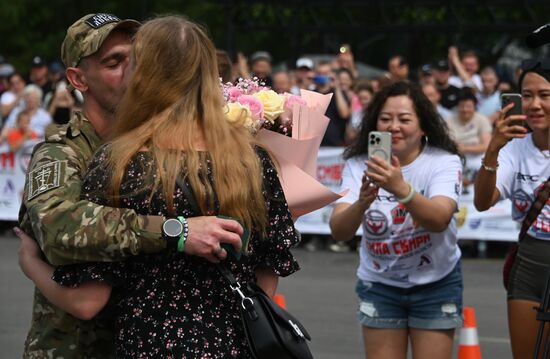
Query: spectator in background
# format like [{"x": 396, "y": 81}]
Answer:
[
  {"x": 470, "y": 129},
  {"x": 13, "y": 98},
  {"x": 434, "y": 96},
  {"x": 40, "y": 118},
  {"x": 61, "y": 104},
  {"x": 488, "y": 99},
  {"x": 347, "y": 83},
  {"x": 398, "y": 68},
  {"x": 364, "y": 93},
  {"x": 225, "y": 68},
  {"x": 449, "y": 93},
  {"x": 345, "y": 60},
  {"x": 304, "y": 75},
  {"x": 281, "y": 82},
  {"x": 6, "y": 70},
  {"x": 39, "y": 76},
  {"x": 466, "y": 69},
  {"x": 260, "y": 67},
  {"x": 339, "y": 109},
  {"x": 425, "y": 75},
  {"x": 17, "y": 136}
]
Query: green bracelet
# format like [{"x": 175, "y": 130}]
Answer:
[
  {"x": 184, "y": 234},
  {"x": 408, "y": 197}
]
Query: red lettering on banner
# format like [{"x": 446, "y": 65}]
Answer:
[
  {"x": 407, "y": 245},
  {"x": 330, "y": 173},
  {"x": 7, "y": 159},
  {"x": 379, "y": 248}
]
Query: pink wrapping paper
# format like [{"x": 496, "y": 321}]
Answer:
[{"x": 297, "y": 155}]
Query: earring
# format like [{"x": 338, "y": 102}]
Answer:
[{"x": 425, "y": 138}]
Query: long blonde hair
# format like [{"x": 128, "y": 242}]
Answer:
[{"x": 173, "y": 101}]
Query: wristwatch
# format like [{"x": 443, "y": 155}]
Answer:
[{"x": 172, "y": 230}]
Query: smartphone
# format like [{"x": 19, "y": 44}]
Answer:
[
  {"x": 244, "y": 239},
  {"x": 380, "y": 145},
  {"x": 514, "y": 98}
]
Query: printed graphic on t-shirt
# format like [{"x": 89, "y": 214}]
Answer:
[
  {"x": 541, "y": 225},
  {"x": 521, "y": 202},
  {"x": 376, "y": 222}
]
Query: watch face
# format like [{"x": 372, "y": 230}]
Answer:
[{"x": 172, "y": 227}]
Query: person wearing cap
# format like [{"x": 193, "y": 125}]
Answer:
[
  {"x": 39, "y": 75},
  {"x": 304, "y": 75},
  {"x": 449, "y": 93},
  {"x": 171, "y": 121},
  {"x": 96, "y": 53},
  {"x": 260, "y": 67}
]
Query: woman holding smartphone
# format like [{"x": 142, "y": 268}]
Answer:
[
  {"x": 409, "y": 276},
  {"x": 516, "y": 166}
]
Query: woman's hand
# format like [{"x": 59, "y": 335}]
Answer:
[
  {"x": 504, "y": 130},
  {"x": 388, "y": 176},
  {"x": 367, "y": 193}
]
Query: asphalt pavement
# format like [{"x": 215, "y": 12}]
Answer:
[{"x": 321, "y": 295}]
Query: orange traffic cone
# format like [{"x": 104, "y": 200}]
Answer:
[
  {"x": 468, "y": 346},
  {"x": 280, "y": 299}
]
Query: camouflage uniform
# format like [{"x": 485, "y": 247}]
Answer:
[{"x": 70, "y": 230}]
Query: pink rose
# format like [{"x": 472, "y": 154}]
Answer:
[
  {"x": 255, "y": 106},
  {"x": 234, "y": 93}
]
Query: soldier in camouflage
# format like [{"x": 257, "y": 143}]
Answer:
[{"x": 96, "y": 52}]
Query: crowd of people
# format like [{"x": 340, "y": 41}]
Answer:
[{"x": 113, "y": 281}]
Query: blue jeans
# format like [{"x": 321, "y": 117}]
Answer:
[{"x": 431, "y": 306}]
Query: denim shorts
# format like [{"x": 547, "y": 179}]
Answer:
[{"x": 431, "y": 306}]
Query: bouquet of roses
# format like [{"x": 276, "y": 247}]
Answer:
[
  {"x": 259, "y": 107},
  {"x": 292, "y": 128}
]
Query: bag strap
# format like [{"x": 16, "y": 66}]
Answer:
[{"x": 535, "y": 209}]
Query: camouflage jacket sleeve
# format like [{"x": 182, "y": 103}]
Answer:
[{"x": 70, "y": 230}]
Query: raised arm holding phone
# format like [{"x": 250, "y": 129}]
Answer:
[
  {"x": 516, "y": 166},
  {"x": 403, "y": 173}
]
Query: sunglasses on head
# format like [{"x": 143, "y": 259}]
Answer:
[{"x": 531, "y": 64}]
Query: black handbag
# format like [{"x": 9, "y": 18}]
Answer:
[{"x": 271, "y": 331}]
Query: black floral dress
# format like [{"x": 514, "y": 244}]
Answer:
[{"x": 177, "y": 305}]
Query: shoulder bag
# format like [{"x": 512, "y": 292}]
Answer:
[{"x": 271, "y": 331}]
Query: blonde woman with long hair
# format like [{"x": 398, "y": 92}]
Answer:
[{"x": 172, "y": 147}]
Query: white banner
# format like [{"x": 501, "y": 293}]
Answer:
[
  {"x": 495, "y": 224},
  {"x": 13, "y": 167}
]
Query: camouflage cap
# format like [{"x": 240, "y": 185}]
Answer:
[{"x": 87, "y": 34}]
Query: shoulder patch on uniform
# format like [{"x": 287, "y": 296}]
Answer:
[{"x": 45, "y": 178}]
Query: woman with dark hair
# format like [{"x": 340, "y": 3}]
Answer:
[
  {"x": 174, "y": 153},
  {"x": 517, "y": 166},
  {"x": 409, "y": 276}
]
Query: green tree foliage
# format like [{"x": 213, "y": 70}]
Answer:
[{"x": 422, "y": 30}]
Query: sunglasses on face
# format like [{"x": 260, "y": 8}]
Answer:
[{"x": 531, "y": 64}]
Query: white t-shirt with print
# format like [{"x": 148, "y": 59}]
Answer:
[
  {"x": 522, "y": 170},
  {"x": 395, "y": 250}
]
